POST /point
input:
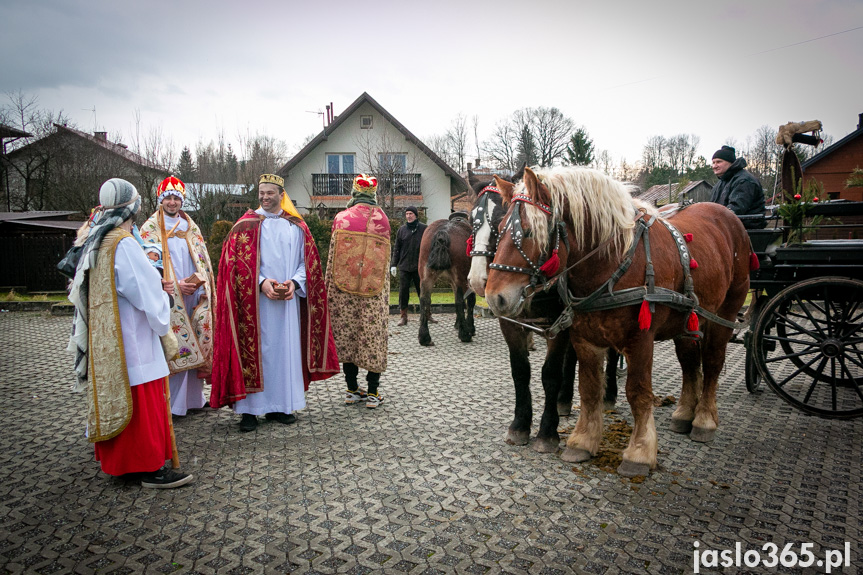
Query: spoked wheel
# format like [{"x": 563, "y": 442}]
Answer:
[
  {"x": 753, "y": 377},
  {"x": 818, "y": 365}
]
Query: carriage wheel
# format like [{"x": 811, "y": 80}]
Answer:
[
  {"x": 753, "y": 377},
  {"x": 818, "y": 365},
  {"x": 753, "y": 312}
]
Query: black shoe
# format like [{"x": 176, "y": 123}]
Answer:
[
  {"x": 166, "y": 478},
  {"x": 286, "y": 418},
  {"x": 249, "y": 422}
]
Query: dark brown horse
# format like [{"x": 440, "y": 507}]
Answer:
[
  {"x": 583, "y": 225},
  {"x": 443, "y": 254},
  {"x": 558, "y": 370}
]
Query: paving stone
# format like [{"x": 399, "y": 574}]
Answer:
[{"x": 423, "y": 484}]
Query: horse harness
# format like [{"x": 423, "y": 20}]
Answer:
[
  {"x": 484, "y": 211},
  {"x": 604, "y": 297}
]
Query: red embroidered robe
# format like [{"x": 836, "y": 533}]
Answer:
[{"x": 237, "y": 365}]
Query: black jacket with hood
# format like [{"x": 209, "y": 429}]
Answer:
[{"x": 739, "y": 190}]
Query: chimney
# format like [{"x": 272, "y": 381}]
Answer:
[
  {"x": 859, "y": 121},
  {"x": 469, "y": 166},
  {"x": 477, "y": 162},
  {"x": 101, "y": 136}
]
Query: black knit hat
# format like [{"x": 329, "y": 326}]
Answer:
[
  {"x": 725, "y": 153},
  {"x": 412, "y": 209}
]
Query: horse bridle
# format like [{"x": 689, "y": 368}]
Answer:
[
  {"x": 484, "y": 211},
  {"x": 516, "y": 229}
]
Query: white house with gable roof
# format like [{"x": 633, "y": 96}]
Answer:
[{"x": 365, "y": 138}]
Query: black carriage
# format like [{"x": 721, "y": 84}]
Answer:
[{"x": 805, "y": 328}]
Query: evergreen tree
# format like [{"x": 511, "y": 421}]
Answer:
[
  {"x": 579, "y": 151},
  {"x": 527, "y": 149},
  {"x": 185, "y": 166},
  {"x": 231, "y": 166}
]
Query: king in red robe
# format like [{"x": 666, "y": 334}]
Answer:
[{"x": 239, "y": 362}]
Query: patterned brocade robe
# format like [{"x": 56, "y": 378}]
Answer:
[
  {"x": 193, "y": 327},
  {"x": 358, "y": 285},
  {"x": 237, "y": 361}
]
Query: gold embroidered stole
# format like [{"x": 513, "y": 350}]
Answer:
[
  {"x": 192, "y": 327},
  {"x": 109, "y": 396}
]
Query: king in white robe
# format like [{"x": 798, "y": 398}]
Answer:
[{"x": 282, "y": 260}]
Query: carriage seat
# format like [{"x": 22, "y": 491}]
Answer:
[{"x": 460, "y": 215}]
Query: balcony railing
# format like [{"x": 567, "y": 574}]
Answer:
[{"x": 341, "y": 184}]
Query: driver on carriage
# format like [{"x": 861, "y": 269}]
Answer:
[{"x": 737, "y": 189}]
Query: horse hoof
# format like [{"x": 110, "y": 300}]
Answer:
[
  {"x": 631, "y": 469},
  {"x": 575, "y": 455},
  {"x": 564, "y": 409},
  {"x": 517, "y": 437},
  {"x": 465, "y": 338},
  {"x": 681, "y": 425},
  {"x": 547, "y": 445},
  {"x": 609, "y": 405},
  {"x": 702, "y": 435}
]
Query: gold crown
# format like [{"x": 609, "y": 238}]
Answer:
[{"x": 272, "y": 179}]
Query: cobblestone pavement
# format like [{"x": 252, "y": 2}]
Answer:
[{"x": 423, "y": 484}]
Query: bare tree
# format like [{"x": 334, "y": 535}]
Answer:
[
  {"x": 260, "y": 154},
  {"x": 502, "y": 147},
  {"x": 383, "y": 152},
  {"x": 159, "y": 158},
  {"x": 653, "y": 153},
  {"x": 456, "y": 137},
  {"x": 604, "y": 162}
]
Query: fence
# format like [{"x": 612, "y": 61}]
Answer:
[{"x": 30, "y": 261}]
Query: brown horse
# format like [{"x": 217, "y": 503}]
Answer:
[
  {"x": 585, "y": 228},
  {"x": 443, "y": 253},
  {"x": 558, "y": 369}
]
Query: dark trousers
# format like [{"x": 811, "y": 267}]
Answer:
[
  {"x": 405, "y": 280},
  {"x": 352, "y": 370}
]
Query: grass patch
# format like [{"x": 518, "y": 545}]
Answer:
[
  {"x": 436, "y": 298},
  {"x": 12, "y": 295}
]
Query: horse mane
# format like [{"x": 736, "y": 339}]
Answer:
[{"x": 597, "y": 202}]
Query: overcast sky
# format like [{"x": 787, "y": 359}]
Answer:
[{"x": 625, "y": 70}]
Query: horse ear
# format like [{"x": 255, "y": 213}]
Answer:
[
  {"x": 505, "y": 188},
  {"x": 536, "y": 189}
]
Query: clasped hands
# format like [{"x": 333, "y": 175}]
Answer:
[
  {"x": 185, "y": 287},
  {"x": 268, "y": 287}
]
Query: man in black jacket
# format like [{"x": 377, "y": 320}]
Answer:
[
  {"x": 736, "y": 189},
  {"x": 405, "y": 259}
]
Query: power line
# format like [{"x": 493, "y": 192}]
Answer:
[
  {"x": 747, "y": 55},
  {"x": 805, "y": 41}
]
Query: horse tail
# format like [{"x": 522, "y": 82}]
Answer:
[{"x": 439, "y": 258}]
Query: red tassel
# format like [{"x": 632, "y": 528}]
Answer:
[
  {"x": 693, "y": 264},
  {"x": 753, "y": 262},
  {"x": 644, "y": 316},
  {"x": 550, "y": 267},
  {"x": 469, "y": 245},
  {"x": 687, "y": 237},
  {"x": 692, "y": 322}
]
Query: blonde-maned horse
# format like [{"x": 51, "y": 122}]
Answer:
[{"x": 601, "y": 224}]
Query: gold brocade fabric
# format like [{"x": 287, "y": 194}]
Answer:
[
  {"x": 193, "y": 328},
  {"x": 359, "y": 261},
  {"x": 109, "y": 396}
]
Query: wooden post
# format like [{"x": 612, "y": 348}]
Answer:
[{"x": 169, "y": 273}]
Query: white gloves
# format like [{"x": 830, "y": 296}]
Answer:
[{"x": 394, "y": 271}]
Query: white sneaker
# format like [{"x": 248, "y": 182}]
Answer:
[
  {"x": 373, "y": 400},
  {"x": 354, "y": 397}
]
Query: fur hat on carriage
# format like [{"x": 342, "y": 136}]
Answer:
[{"x": 172, "y": 186}]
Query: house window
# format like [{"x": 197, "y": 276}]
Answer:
[
  {"x": 366, "y": 122},
  {"x": 392, "y": 163},
  {"x": 340, "y": 168},
  {"x": 340, "y": 163}
]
